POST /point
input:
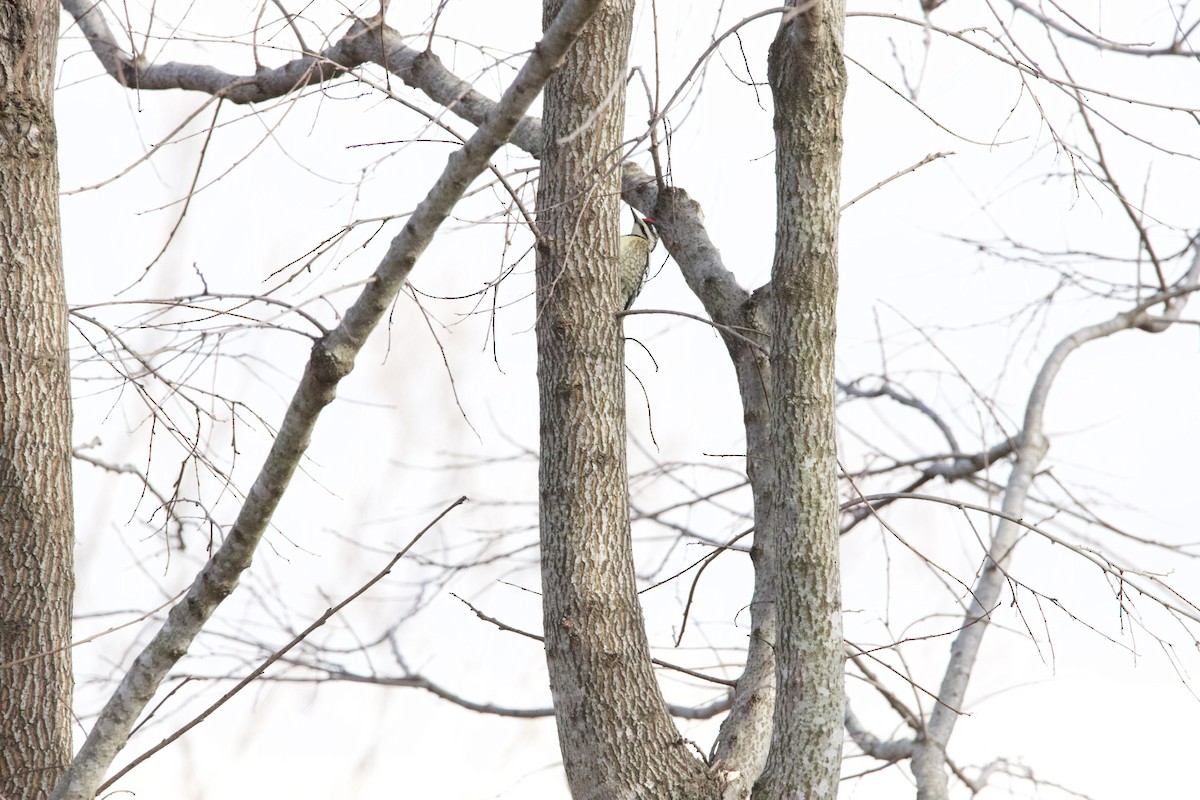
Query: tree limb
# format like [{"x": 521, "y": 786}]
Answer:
[
  {"x": 929, "y": 755},
  {"x": 331, "y": 360}
]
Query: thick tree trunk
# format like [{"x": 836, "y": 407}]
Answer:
[
  {"x": 808, "y": 81},
  {"x": 36, "y": 574},
  {"x": 616, "y": 735}
]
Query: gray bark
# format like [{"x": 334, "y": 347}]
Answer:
[
  {"x": 577, "y": 228},
  {"x": 36, "y": 528},
  {"x": 365, "y": 41},
  {"x": 331, "y": 360},
  {"x": 616, "y": 735},
  {"x": 808, "y": 82},
  {"x": 744, "y": 740},
  {"x": 602, "y": 683},
  {"x": 743, "y": 321},
  {"x": 929, "y": 751}
]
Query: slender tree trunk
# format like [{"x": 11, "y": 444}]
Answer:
[
  {"x": 808, "y": 81},
  {"x": 36, "y": 575},
  {"x": 745, "y": 736},
  {"x": 740, "y": 751},
  {"x": 616, "y": 736}
]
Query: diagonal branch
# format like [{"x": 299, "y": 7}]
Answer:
[
  {"x": 257, "y": 672},
  {"x": 373, "y": 42},
  {"x": 135, "y": 72},
  {"x": 929, "y": 753},
  {"x": 331, "y": 360},
  {"x": 684, "y": 234},
  {"x": 367, "y": 41}
]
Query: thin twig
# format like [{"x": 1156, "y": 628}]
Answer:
[{"x": 281, "y": 652}]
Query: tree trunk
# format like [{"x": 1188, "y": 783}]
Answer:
[
  {"x": 36, "y": 575},
  {"x": 808, "y": 81},
  {"x": 616, "y": 736},
  {"x": 745, "y": 736}
]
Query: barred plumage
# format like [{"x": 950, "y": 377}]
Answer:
[{"x": 636, "y": 248}]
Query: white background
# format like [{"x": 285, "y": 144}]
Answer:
[{"x": 1095, "y": 704}]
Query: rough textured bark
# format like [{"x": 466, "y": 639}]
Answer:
[
  {"x": 616, "y": 736},
  {"x": 331, "y": 360},
  {"x": 36, "y": 531},
  {"x": 808, "y": 81},
  {"x": 744, "y": 321},
  {"x": 745, "y": 736}
]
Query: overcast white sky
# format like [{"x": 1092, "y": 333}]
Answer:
[{"x": 1095, "y": 705}]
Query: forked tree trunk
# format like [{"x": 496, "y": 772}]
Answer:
[
  {"x": 616, "y": 736},
  {"x": 36, "y": 574}
]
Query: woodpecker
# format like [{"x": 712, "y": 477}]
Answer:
[{"x": 636, "y": 248}]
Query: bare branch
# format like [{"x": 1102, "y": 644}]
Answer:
[
  {"x": 331, "y": 360},
  {"x": 872, "y": 745},
  {"x": 1176, "y": 48},
  {"x": 658, "y": 662},
  {"x": 707, "y": 711},
  {"x": 281, "y": 652},
  {"x": 930, "y": 752},
  {"x": 135, "y": 72}
]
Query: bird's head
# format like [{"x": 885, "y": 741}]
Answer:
[{"x": 646, "y": 228}]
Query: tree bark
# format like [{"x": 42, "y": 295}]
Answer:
[
  {"x": 36, "y": 527},
  {"x": 808, "y": 81},
  {"x": 744, "y": 321},
  {"x": 331, "y": 359},
  {"x": 616, "y": 736},
  {"x": 745, "y": 737}
]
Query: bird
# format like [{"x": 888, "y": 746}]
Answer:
[{"x": 634, "y": 259}]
